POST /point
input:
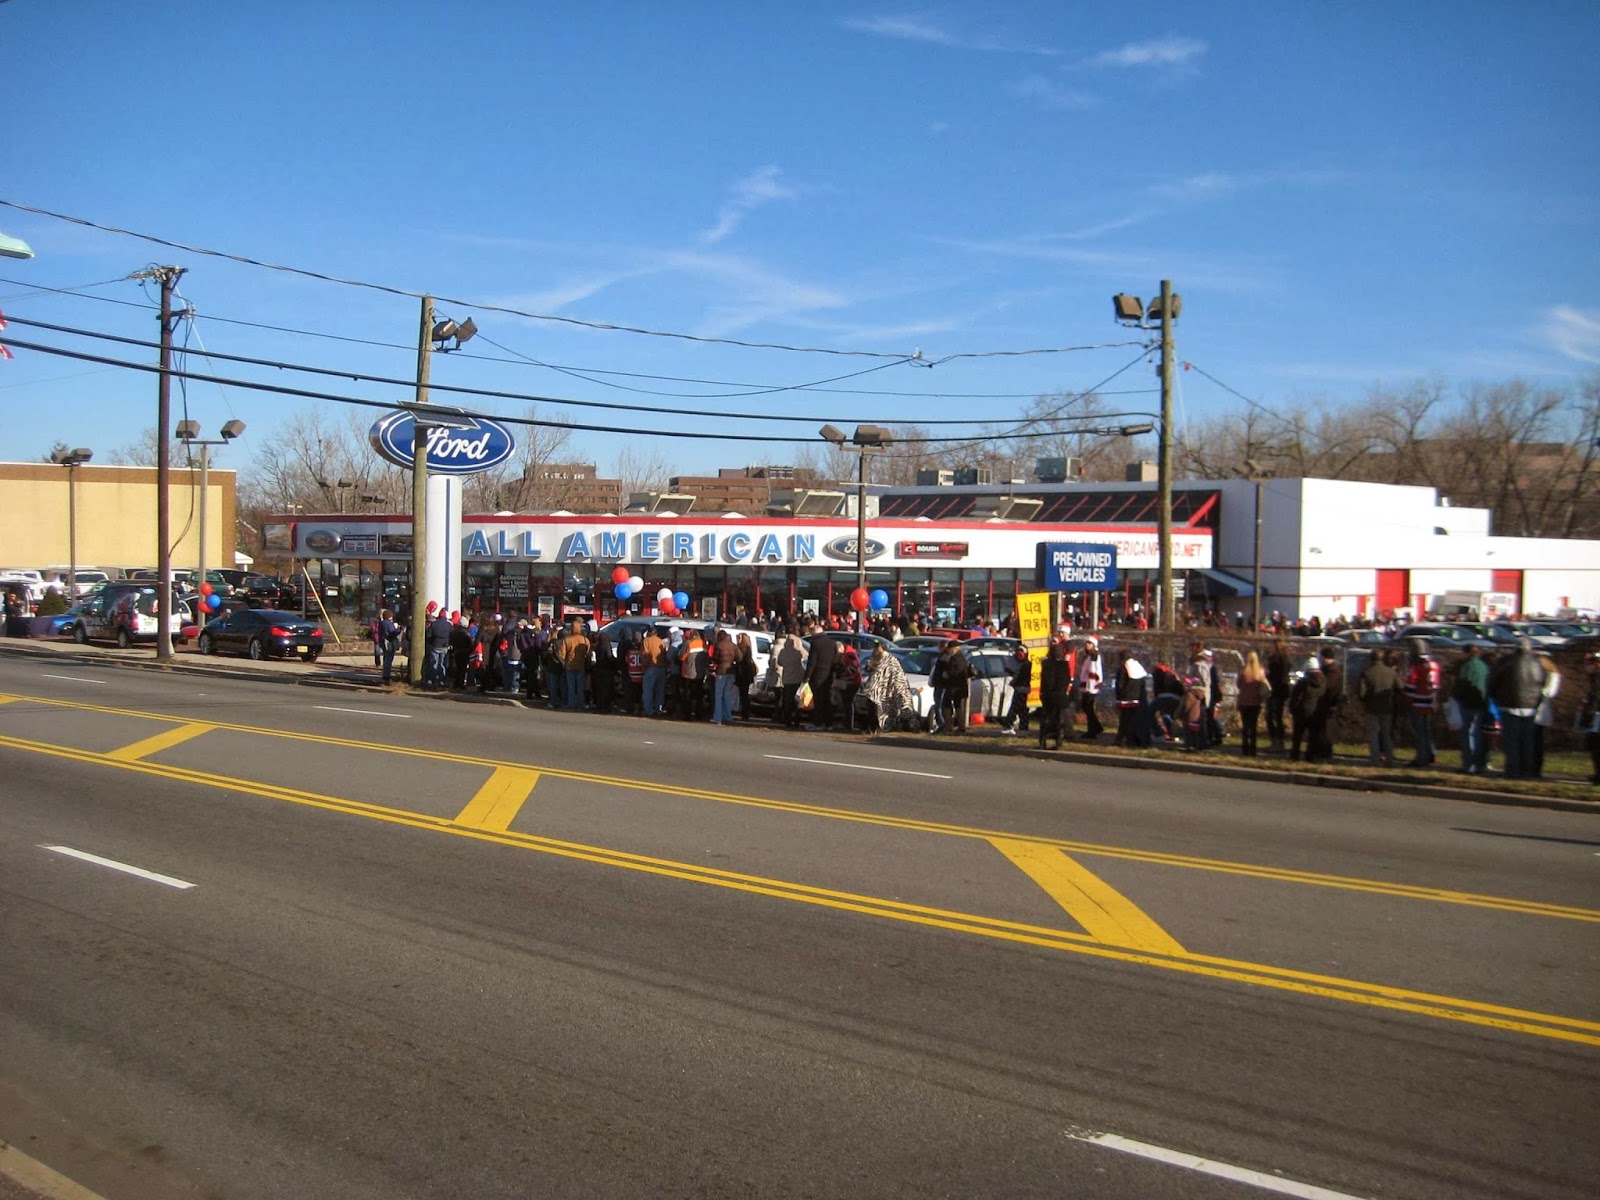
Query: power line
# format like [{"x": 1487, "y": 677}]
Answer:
[
  {"x": 532, "y": 422},
  {"x": 603, "y": 326},
  {"x": 485, "y": 393},
  {"x": 587, "y": 373}
]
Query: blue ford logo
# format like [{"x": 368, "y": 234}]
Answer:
[
  {"x": 467, "y": 451},
  {"x": 845, "y": 548}
]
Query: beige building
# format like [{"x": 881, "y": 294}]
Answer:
[{"x": 116, "y": 516}]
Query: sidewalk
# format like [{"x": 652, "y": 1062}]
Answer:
[{"x": 353, "y": 670}]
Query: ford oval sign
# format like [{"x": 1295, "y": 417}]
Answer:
[
  {"x": 483, "y": 444},
  {"x": 844, "y": 548}
]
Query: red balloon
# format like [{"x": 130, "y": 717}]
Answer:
[
  {"x": 861, "y": 599},
  {"x": 619, "y": 575},
  {"x": 205, "y": 589},
  {"x": 669, "y": 608}
]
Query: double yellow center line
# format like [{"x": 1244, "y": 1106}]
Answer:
[{"x": 1114, "y": 928}]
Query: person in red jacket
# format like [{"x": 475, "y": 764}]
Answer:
[{"x": 1421, "y": 688}]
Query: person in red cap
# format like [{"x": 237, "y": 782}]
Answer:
[{"x": 460, "y": 651}]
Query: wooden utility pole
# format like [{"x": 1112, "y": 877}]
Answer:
[
  {"x": 168, "y": 278},
  {"x": 1169, "y": 607},
  {"x": 419, "y": 505}
]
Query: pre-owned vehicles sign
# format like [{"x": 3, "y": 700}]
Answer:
[{"x": 1077, "y": 567}]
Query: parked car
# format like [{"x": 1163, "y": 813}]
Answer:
[
  {"x": 61, "y": 624},
  {"x": 262, "y": 633},
  {"x": 760, "y": 642},
  {"x": 1446, "y": 635},
  {"x": 923, "y": 641},
  {"x": 1362, "y": 637},
  {"x": 1543, "y": 636}
]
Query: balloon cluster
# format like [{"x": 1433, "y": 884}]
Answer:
[
  {"x": 672, "y": 603},
  {"x": 877, "y": 600},
  {"x": 209, "y": 597},
  {"x": 625, "y": 586}
]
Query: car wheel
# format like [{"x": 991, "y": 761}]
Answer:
[
  {"x": 207, "y": 646},
  {"x": 313, "y": 655},
  {"x": 258, "y": 649},
  {"x": 123, "y": 640},
  {"x": 80, "y": 634}
]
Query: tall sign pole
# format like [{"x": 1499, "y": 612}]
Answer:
[{"x": 419, "y": 505}]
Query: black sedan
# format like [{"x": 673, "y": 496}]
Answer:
[{"x": 263, "y": 633}]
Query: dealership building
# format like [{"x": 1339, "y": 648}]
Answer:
[{"x": 1328, "y": 548}]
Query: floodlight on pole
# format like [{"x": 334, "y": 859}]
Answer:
[
  {"x": 72, "y": 460},
  {"x": 448, "y": 330},
  {"x": 11, "y": 247},
  {"x": 865, "y": 438},
  {"x": 189, "y": 434}
]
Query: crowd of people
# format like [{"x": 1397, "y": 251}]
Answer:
[{"x": 819, "y": 682}]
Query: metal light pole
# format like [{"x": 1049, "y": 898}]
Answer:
[
  {"x": 189, "y": 435},
  {"x": 72, "y": 460},
  {"x": 865, "y": 438}
]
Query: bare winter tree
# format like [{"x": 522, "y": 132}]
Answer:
[
  {"x": 530, "y": 480},
  {"x": 642, "y": 467}
]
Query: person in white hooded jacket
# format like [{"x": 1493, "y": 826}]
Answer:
[{"x": 1133, "y": 704}]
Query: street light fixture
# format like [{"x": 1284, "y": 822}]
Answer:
[
  {"x": 72, "y": 460},
  {"x": 339, "y": 489},
  {"x": 1162, "y": 312},
  {"x": 189, "y": 434},
  {"x": 866, "y": 438}
]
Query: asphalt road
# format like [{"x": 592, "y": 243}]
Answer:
[{"x": 441, "y": 950}]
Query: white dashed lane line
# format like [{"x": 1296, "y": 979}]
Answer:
[{"x": 126, "y": 868}]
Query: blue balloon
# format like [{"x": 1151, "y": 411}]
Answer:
[
  {"x": 622, "y": 591},
  {"x": 880, "y": 599},
  {"x": 213, "y": 601},
  {"x": 681, "y": 599}
]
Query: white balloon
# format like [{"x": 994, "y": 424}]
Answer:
[
  {"x": 636, "y": 583},
  {"x": 664, "y": 594}
]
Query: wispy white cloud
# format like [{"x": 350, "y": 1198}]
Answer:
[
  {"x": 1051, "y": 94},
  {"x": 1161, "y": 52},
  {"x": 761, "y": 186},
  {"x": 913, "y": 27},
  {"x": 1209, "y": 185},
  {"x": 747, "y": 293},
  {"x": 1574, "y": 332}
]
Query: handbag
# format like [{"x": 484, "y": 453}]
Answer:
[
  {"x": 803, "y": 698},
  {"x": 1452, "y": 714}
]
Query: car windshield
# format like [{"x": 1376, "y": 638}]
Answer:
[{"x": 915, "y": 661}]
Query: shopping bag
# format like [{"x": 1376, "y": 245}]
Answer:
[
  {"x": 1452, "y": 714},
  {"x": 802, "y": 698}
]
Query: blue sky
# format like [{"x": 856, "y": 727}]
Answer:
[{"x": 1346, "y": 195}]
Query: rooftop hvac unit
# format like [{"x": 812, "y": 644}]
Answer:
[
  {"x": 1058, "y": 470},
  {"x": 935, "y": 478},
  {"x": 972, "y": 476}
]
